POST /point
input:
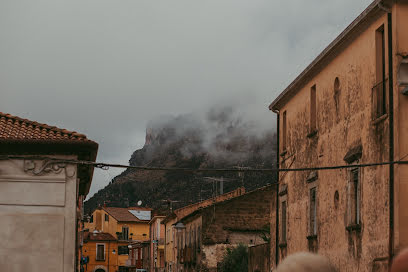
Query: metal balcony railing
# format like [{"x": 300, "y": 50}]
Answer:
[{"x": 379, "y": 99}]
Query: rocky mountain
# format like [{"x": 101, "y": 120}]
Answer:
[{"x": 220, "y": 139}]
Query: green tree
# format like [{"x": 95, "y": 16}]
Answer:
[{"x": 235, "y": 259}]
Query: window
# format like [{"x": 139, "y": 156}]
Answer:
[
  {"x": 283, "y": 224},
  {"x": 123, "y": 250},
  {"x": 380, "y": 86},
  {"x": 313, "y": 212},
  {"x": 312, "y": 109},
  {"x": 284, "y": 131},
  {"x": 354, "y": 198},
  {"x": 123, "y": 269},
  {"x": 125, "y": 233},
  {"x": 336, "y": 94},
  {"x": 91, "y": 219},
  {"x": 100, "y": 252},
  {"x": 106, "y": 218}
]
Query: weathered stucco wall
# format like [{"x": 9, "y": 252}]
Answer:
[
  {"x": 37, "y": 215},
  {"x": 344, "y": 120},
  {"x": 400, "y": 48}
]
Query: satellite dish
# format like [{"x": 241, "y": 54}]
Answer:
[{"x": 139, "y": 203}]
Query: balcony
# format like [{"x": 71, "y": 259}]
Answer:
[{"x": 379, "y": 99}]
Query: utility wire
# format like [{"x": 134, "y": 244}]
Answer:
[{"x": 106, "y": 166}]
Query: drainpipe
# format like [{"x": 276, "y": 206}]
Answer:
[
  {"x": 391, "y": 151},
  {"x": 277, "y": 192}
]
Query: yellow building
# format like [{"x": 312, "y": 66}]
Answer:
[
  {"x": 100, "y": 250},
  {"x": 126, "y": 225}
]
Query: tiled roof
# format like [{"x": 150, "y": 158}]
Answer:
[
  {"x": 98, "y": 236},
  {"x": 123, "y": 214},
  {"x": 16, "y": 128}
]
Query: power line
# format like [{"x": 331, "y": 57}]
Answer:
[{"x": 106, "y": 166}]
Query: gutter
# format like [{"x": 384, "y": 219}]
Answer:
[
  {"x": 277, "y": 192},
  {"x": 391, "y": 135}
]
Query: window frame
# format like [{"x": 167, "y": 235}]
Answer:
[
  {"x": 354, "y": 199},
  {"x": 126, "y": 238},
  {"x": 97, "y": 252},
  {"x": 313, "y": 211},
  {"x": 379, "y": 88},
  {"x": 120, "y": 250}
]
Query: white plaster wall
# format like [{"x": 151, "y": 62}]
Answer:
[{"x": 37, "y": 216}]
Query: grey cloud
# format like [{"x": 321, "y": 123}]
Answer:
[{"x": 105, "y": 68}]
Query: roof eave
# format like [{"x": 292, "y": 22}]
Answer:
[
  {"x": 84, "y": 149},
  {"x": 319, "y": 61}
]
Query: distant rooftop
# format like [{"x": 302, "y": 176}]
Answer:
[{"x": 131, "y": 214}]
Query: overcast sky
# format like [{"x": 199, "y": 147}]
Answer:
[{"x": 106, "y": 67}]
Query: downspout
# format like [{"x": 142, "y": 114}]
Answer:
[
  {"x": 391, "y": 151},
  {"x": 277, "y": 192}
]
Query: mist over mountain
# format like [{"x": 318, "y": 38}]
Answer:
[{"x": 221, "y": 138}]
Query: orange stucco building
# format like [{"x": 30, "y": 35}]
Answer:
[
  {"x": 348, "y": 107},
  {"x": 125, "y": 226}
]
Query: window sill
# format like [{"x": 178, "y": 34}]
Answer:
[
  {"x": 283, "y": 245},
  {"x": 379, "y": 119},
  {"x": 100, "y": 260},
  {"x": 311, "y": 237},
  {"x": 283, "y": 153},
  {"x": 312, "y": 133},
  {"x": 354, "y": 227}
]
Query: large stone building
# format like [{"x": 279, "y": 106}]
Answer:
[
  {"x": 202, "y": 236},
  {"x": 41, "y": 194},
  {"x": 348, "y": 107},
  {"x": 171, "y": 228}
]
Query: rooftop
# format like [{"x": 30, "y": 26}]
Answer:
[
  {"x": 13, "y": 127},
  {"x": 20, "y": 136},
  {"x": 328, "y": 53},
  {"x": 126, "y": 214},
  {"x": 98, "y": 236}
]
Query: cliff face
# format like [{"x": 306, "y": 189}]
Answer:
[{"x": 221, "y": 140}]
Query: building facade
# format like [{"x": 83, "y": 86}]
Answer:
[
  {"x": 174, "y": 230},
  {"x": 126, "y": 225},
  {"x": 348, "y": 107},
  {"x": 100, "y": 252},
  {"x": 40, "y": 190},
  {"x": 203, "y": 236},
  {"x": 157, "y": 239}
]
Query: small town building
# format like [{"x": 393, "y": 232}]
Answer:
[
  {"x": 126, "y": 225},
  {"x": 202, "y": 236},
  {"x": 171, "y": 227},
  {"x": 41, "y": 193},
  {"x": 348, "y": 107},
  {"x": 100, "y": 252},
  {"x": 157, "y": 239}
]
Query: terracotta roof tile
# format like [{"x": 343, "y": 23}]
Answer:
[
  {"x": 16, "y": 128},
  {"x": 98, "y": 236},
  {"x": 123, "y": 214}
]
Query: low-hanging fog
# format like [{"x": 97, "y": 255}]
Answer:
[{"x": 107, "y": 68}]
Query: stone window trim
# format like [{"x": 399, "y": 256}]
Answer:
[
  {"x": 354, "y": 222},
  {"x": 98, "y": 256},
  {"x": 353, "y": 154},
  {"x": 313, "y": 175},
  {"x": 379, "y": 120},
  {"x": 312, "y": 184},
  {"x": 283, "y": 222},
  {"x": 283, "y": 191}
]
